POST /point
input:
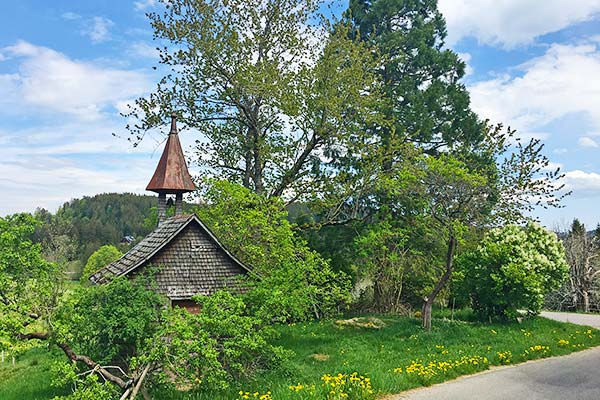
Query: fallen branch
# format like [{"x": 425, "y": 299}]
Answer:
[
  {"x": 71, "y": 355},
  {"x": 139, "y": 382},
  {"x": 33, "y": 335},
  {"x": 124, "y": 396}
]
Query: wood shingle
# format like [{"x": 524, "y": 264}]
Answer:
[{"x": 189, "y": 257}]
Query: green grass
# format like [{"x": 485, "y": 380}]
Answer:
[
  {"x": 30, "y": 377},
  {"x": 373, "y": 353},
  {"x": 377, "y": 353}
]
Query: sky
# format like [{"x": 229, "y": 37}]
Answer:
[{"x": 68, "y": 68}]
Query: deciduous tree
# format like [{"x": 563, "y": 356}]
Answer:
[{"x": 275, "y": 89}]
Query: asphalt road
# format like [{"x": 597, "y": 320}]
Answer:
[
  {"x": 576, "y": 376},
  {"x": 581, "y": 319}
]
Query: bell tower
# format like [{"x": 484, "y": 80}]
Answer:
[{"x": 171, "y": 175}]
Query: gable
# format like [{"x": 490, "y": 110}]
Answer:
[
  {"x": 195, "y": 245},
  {"x": 193, "y": 263}
]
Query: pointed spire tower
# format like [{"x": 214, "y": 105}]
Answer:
[{"x": 171, "y": 175}]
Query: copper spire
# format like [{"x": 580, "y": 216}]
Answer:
[{"x": 171, "y": 175}]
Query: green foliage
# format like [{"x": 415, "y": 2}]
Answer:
[
  {"x": 513, "y": 268},
  {"x": 85, "y": 386},
  {"x": 29, "y": 284},
  {"x": 272, "y": 85},
  {"x": 295, "y": 282},
  {"x": 88, "y": 388},
  {"x": 299, "y": 290},
  {"x": 100, "y": 259},
  {"x": 221, "y": 344},
  {"x": 109, "y": 322},
  {"x": 252, "y": 226},
  {"x": 455, "y": 195},
  {"x": 383, "y": 260},
  {"x": 425, "y": 99}
]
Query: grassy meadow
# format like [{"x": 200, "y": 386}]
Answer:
[{"x": 390, "y": 359}]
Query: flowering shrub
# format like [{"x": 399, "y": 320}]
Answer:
[{"x": 513, "y": 268}]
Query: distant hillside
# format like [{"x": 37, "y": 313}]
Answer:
[{"x": 81, "y": 226}]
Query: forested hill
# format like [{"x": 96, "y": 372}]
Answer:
[{"x": 81, "y": 226}]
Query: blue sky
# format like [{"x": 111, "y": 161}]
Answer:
[{"x": 68, "y": 67}]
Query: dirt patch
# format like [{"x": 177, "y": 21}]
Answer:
[
  {"x": 320, "y": 357},
  {"x": 361, "y": 322}
]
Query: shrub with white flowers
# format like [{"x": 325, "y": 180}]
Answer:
[{"x": 513, "y": 268}]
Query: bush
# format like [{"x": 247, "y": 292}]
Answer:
[
  {"x": 100, "y": 259},
  {"x": 110, "y": 322},
  {"x": 86, "y": 388},
  {"x": 299, "y": 290},
  {"x": 295, "y": 283},
  {"x": 219, "y": 345},
  {"x": 513, "y": 268}
]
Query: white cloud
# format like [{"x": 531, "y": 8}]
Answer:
[
  {"x": 466, "y": 58},
  {"x": 553, "y": 166},
  {"x": 143, "y": 49},
  {"x": 560, "y": 150},
  {"x": 60, "y": 161},
  {"x": 585, "y": 141},
  {"x": 54, "y": 182},
  {"x": 582, "y": 182},
  {"x": 70, "y": 16},
  {"x": 510, "y": 23},
  {"x": 51, "y": 81},
  {"x": 144, "y": 4},
  {"x": 559, "y": 83},
  {"x": 99, "y": 29}
]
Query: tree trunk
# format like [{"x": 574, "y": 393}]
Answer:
[
  {"x": 428, "y": 304},
  {"x": 248, "y": 170},
  {"x": 378, "y": 296}
]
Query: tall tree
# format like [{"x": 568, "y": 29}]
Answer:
[
  {"x": 577, "y": 228},
  {"x": 459, "y": 191},
  {"x": 455, "y": 198},
  {"x": 274, "y": 89},
  {"x": 425, "y": 99}
]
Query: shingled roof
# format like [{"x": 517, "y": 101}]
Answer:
[{"x": 141, "y": 253}]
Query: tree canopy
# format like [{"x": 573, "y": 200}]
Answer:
[{"x": 276, "y": 89}]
